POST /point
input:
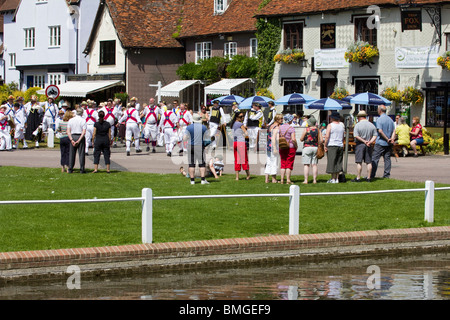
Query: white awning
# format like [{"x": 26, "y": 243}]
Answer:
[
  {"x": 224, "y": 86},
  {"x": 173, "y": 89},
  {"x": 83, "y": 88}
]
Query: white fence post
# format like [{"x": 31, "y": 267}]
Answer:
[
  {"x": 147, "y": 215},
  {"x": 294, "y": 209},
  {"x": 429, "y": 201}
]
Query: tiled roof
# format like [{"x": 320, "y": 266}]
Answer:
[
  {"x": 146, "y": 23},
  {"x": 199, "y": 18},
  {"x": 295, "y": 7},
  {"x": 10, "y": 5}
]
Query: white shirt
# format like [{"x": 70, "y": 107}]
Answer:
[
  {"x": 256, "y": 116},
  {"x": 172, "y": 118},
  {"x": 110, "y": 115},
  {"x": 185, "y": 117},
  {"x": 150, "y": 117},
  {"x": 131, "y": 115},
  {"x": 77, "y": 125},
  {"x": 94, "y": 115},
  {"x": 20, "y": 117}
]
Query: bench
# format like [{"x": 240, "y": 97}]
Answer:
[{"x": 397, "y": 147}]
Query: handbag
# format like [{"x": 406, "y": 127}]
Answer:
[{"x": 320, "y": 151}]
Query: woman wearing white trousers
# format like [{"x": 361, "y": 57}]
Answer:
[{"x": 273, "y": 134}]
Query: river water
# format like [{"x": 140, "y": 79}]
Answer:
[{"x": 412, "y": 277}]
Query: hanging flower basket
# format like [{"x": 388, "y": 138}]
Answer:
[
  {"x": 444, "y": 61},
  {"x": 392, "y": 94},
  {"x": 362, "y": 53},
  {"x": 412, "y": 95},
  {"x": 339, "y": 93},
  {"x": 290, "y": 56}
]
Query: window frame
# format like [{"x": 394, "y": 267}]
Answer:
[
  {"x": 54, "y": 36},
  {"x": 286, "y": 26},
  {"x": 230, "y": 49},
  {"x": 103, "y": 59},
  {"x": 362, "y": 32},
  {"x": 253, "y": 47},
  {"x": 12, "y": 60},
  {"x": 30, "y": 38},
  {"x": 203, "y": 49},
  {"x": 220, "y": 6}
]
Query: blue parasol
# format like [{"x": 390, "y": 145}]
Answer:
[
  {"x": 328, "y": 104},
  {"x": 247, "y": 103},
  {"x": 228, "y": 100},
  {"x": 369, "y": 98},
  {"x": 294, "y": 98}
]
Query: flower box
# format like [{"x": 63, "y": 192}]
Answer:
[
  {"x": 290, "y": 56},
  {"x": 361, "y": 52}
]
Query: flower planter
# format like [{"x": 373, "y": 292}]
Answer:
[{"x": 362, "y": 53}]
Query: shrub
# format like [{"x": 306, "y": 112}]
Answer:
[{"x": 242, "y": 67}]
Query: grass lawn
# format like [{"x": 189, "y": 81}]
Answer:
[{"x": 53, "y": 226}]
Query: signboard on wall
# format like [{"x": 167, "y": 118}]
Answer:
[
  {"x": 412, "y": 20},
  {"x": 330, "y": 59},
  {"x": 416, "y": 57},
  {"x": 328, "y": 36}
]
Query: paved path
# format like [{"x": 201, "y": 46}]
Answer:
[{"x": 430, "y": 167}]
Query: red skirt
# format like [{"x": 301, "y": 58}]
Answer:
[
  {"x": 240, "y": 156},
  {"x": 287, "y": 157}
]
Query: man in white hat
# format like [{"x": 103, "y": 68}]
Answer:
[
  {"x": 76, "y": 130},
  {"x": 111, "y": 115},
  {"x": 20, "y": 121},
  {"x": 365, "y": 134},
  {"x": 196, "y": 134},
  {"x": 51, "y": 111},
  {"x": 132, "y": 122},
  {"x": 252, "y": 121},
  {"x": 151, "y": 114},
  {"x": 216, "y": 120},
  {"x": 168, "y": 125},
  {"x": 91, "y": 117}
]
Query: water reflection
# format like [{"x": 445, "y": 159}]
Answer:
[{"x": 407, "y": 277}]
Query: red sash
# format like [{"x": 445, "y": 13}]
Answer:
[
  {"x": 167, "y": 119},
  {"x": 109, "y": 113},
  {"x": 182, "y": 117},
  {"x": 151, "y": 113},
  {"x": 129, "y": 115},
  {"x": 4, "y": 123},
  {"x": 89, "y": 115}
]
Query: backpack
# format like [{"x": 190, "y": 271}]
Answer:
[{"x": 282, "y": 142}]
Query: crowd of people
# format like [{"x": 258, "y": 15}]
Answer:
[{"x": 100, "y": 127}]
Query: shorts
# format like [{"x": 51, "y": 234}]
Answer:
[
  {"x": 309, "y": 155},
  {"x": 363, "y": 153},
  {"x": 419, "y": 141},
  {"x": 196, "y": 155}
]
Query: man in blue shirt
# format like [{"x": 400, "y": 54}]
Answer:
[
  {"x": 384, "y": 142},
  {"x": 196, "y": 137}
]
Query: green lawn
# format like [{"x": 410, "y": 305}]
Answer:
[{"x": 33, "y": 227}]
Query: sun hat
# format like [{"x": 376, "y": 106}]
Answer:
[
  {"x": 311, "y": 121},
  {"x": 335, "y": 115},
  {"x": 196, "y": 118},
  {"x": 288, "y": 117},
  {"x": 361, "y": 113}
]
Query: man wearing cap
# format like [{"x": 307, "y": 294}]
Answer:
[
  {"x": 384, "y": 142},
  {"x": 184, "y": 120},
  {"x": 20, "y": 121},
  {"x": 196, "y": 134},
  {"x": 272, "y": 114},
  {"x": 34, "y": 121},
  {"x": 91, "y": 117},
  {"x": 5, "y": 136},
  {"x": 365, "y": 134},
  {"x": 110, "y": 116},
  {"x": 252, "y": 122},
  {"x": 132, "y": 122},
  {"x": 216, "y": 119},
  {"x": 151, "y": 114},
  {"x": 76, "y": 130},
  {"x": 168, "y": 126},
  {"x": 51, "y": 111}
]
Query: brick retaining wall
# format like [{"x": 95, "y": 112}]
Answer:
[{"x": 10, "y": 261}]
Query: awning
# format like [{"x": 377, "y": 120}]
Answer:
[
  {"x": 173, "y": 89},
  {"x": 83, "y": 88},
  {"x": 224, "y": 86}
]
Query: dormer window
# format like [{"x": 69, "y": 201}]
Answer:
[{"x": 220, "y": 6}]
